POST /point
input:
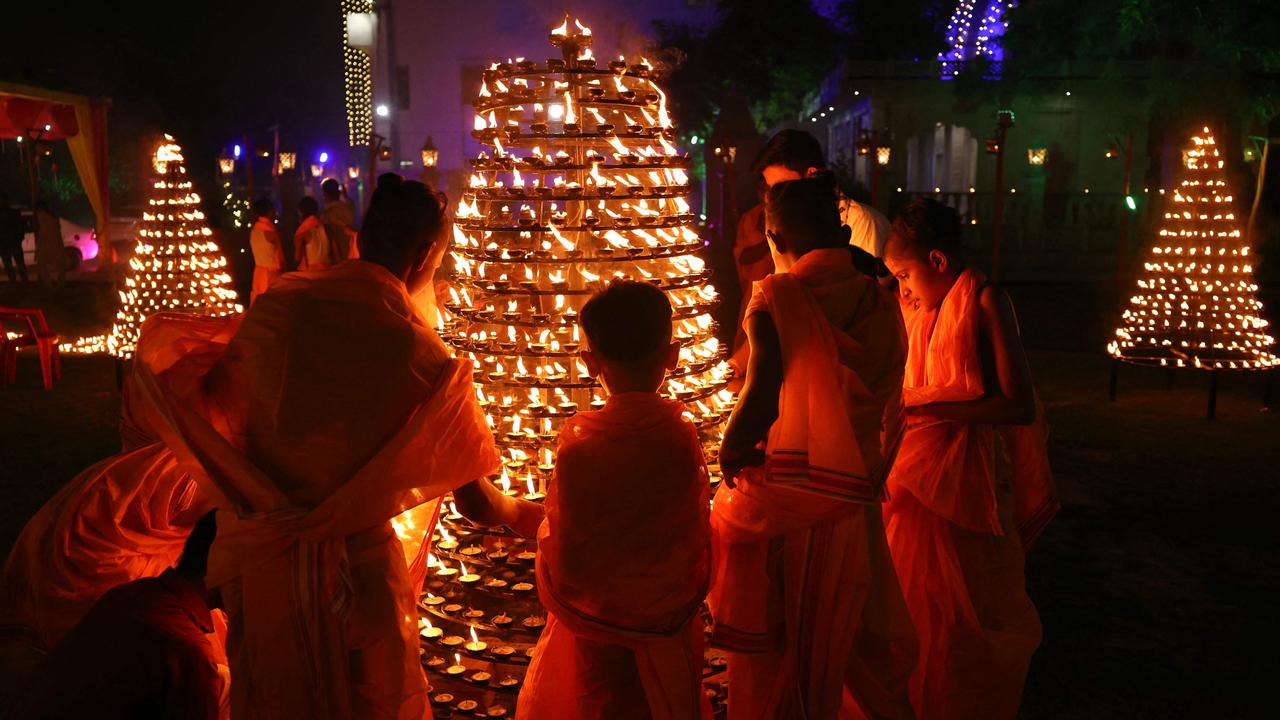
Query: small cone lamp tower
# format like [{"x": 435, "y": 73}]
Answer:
[
  {"x": 176, "y": 265},
  {"x": 579, "y": 184},
  {"x": 1196, "y": 302}
]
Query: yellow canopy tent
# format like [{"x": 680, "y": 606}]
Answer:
[{"x": 39, "y": 114}]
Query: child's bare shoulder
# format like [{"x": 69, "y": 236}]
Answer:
[{"x": 994, "y": 302}]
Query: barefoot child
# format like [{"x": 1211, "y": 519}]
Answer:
[
  {"x": 971, "y": 486},
  {"x": 804, "y": 598},
  {"x": 623, "y": 556}
]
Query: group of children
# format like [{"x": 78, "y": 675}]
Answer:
[
  {"x": 862, "y": 558},
  {"x": 324, "y": 237},
  {"x": 884, "y": 470}
]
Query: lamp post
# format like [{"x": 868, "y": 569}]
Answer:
[
  {"x": 1122, "y": 242},
  {"x": 1033, "y": 219},
  {"x": 378, "y": 150},
  {"x": 728, "y": 195},
  {"x": 864, "y": 146},
  {"x": 430, "y": 158},
  {"x": 1004, "y": 121}
]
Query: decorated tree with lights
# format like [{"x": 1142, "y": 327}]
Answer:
[
  {"x": 580, "y": 185},
  {"x": 1196, "y": 303},
  {"x": 176, "y": 265},
  {"x": 974, "y": 32}
]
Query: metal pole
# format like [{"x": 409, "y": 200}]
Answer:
[
  {"x": 1122, "y": 245},
  {"x": 248, "y": 166},
  {"x": 997, "y": 212},
  {"x": 375, "y": 147}
]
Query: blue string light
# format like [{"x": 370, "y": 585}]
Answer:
[{"x": 970, "y": 36}]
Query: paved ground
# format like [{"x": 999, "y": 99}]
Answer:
[{"x": 1157, "y": 583}]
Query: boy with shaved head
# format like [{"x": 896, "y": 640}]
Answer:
[
  {"x": 971, "y": 488},
  {"x": 805, "y": 598}
]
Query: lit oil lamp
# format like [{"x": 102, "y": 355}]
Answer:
[
  {"x": 476, "y": 645},
  {"x": 467, "y": 578},
  {"x": 429, "y": 631}
]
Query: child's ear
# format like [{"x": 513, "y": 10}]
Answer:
[
  {"x": 589, "y": 359},
  {"x": 938, "y": 260},
  {"x": 673, "y": 356},
  {"x": 778, "y": 242}
]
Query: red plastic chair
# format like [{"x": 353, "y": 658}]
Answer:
[
  {"x": 5, "y": 354},
  {"x": 37, "y": 335}
]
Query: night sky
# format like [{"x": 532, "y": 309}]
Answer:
[{"x": 206, "y": 72}]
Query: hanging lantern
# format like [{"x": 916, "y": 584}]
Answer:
[
  {"x": 226, "y": 163},
  {"x": 430, "y": 155},
  {"x": 288, "y": 160},
  {"x": 317, "y": 170},
  {"x": 865, "y": 143},
  {"x": 1037, "y": 153},
  {"x": 353, "y": 171},
  {"x": 882, "y": 155}
]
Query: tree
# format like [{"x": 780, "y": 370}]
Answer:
[
  {"x": 775, "y": 51},
  {"x": 899, "y": 30},
  {"x": 1205, "y": 59}
]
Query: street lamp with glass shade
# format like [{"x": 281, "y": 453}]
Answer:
[
  {"x": 883, "y": 154},
  {"x": 226, "y": 163},
  {"x": 353, "y": 172},
  {"x": 1037, "y": 153},
  {"x": 288, "y": 160},
  {"x": 864, "y": 144},
  {"x": 430, "y": 155},
  {"x": 317, "y": 170}
]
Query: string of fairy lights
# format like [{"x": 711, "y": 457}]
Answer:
[
  {"x": 1196, "y": 303},
  {"x": 176, "y": 265},
  {"x": 971, "y": 36},
  {"x": 358, "y": 80}
]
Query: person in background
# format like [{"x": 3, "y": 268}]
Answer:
[
  {"x": 268, "y": 254},
  {"x": 339, "y": 219},
  {"x": 333, "y": 408},
  {"x": 311, "y": 244},
  {"x": 805, "y": 599},
  {"x": 624, "y": 554},
  {"x": 791, "y": 155},
  {"x": 12, "y": 229},
  {"x": 142, "y": 651},
  {"x": 49, "y": 252},
  {"x": 971, "y": 488}
]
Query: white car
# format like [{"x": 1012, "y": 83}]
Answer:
[{"x": 79, "y": 243}]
